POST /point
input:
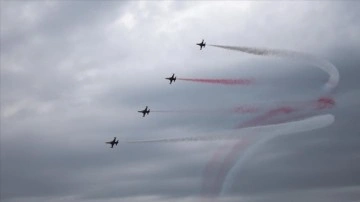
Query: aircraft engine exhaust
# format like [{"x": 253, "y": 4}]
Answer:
[
  {"x": 220, "y": 81},
  {"x": 237, "y": 110}
]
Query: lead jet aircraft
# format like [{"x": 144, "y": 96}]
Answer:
[
  {"x": 172, "y": 78},
  {"x": 145, "y": 111},
  {"x": 202, "y": 44},
  {"x": 113, "y": 142}
]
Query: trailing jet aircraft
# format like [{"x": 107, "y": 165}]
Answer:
[
  {"x": 145, "y": 111},
  {"x": 172, "y": 78},
  {"x": 202, "y": 44},
  {"x": 113, "y": 142}
]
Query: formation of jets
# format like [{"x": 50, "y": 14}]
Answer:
[{"x": 146, "y": 111}]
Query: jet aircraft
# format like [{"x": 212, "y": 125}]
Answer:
[
  {"x": 145, "y": 111},
  {"x": 113, "y": 142},
  {"x": 172, "y": 78},
  {"x": 202, "y": 44}
]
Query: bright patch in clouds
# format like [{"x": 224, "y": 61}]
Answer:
[{"x": 128, "y": 20}]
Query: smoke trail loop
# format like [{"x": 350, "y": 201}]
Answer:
[
  {"x": 320, "y": 63},
  {"x": 321, "y": 103},
  {"x": 308, "y": 124}
]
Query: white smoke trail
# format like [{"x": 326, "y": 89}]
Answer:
[
  {"x": 181, "y": 139},
  {"x": 277, "y": 129},
  {"x": 308, "y": 124},
  {"x": 324, "y": 65}
]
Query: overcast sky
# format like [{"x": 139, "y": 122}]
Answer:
[{"x": 74, "y": 73}]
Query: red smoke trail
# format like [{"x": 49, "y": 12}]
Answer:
[
  {"x": 286, "y": 108},
  {"x": 325, "y": 103},
  {"x": 221, "y": 81},
  {"x": 209, "y": 183},
  {"x": 285, "y": 119},
  {"x": 269, "y": 117},
  {"x": 215, "y": 171},
  {"x": 266, "y": 116},
  {"x": 229, "y": 161}
]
